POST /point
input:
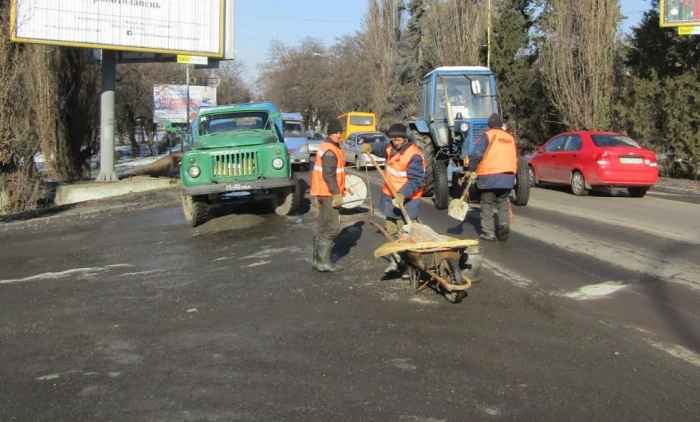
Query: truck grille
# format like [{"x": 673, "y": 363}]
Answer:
[{"x": 236, "y": 164}]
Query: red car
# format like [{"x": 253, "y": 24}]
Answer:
[{"x": 586, "y": 159}]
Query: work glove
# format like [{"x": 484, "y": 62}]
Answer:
[
  {"x": 337, "y": 200},
  {"x": 472, "y": 176},
  {"x": 366, "y": 149},
  {"x": 398, "y": 200}
]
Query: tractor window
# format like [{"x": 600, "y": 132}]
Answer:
[
  {"x": 425, "y": 99},
  {"x": 462, "y": 99}
]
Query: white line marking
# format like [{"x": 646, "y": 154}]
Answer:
[
  {"x": 141, "y": 273},
  {"x": 594, "y": 291},
  {"x": 61, "y": 274},
  {"x": 256, "y": 264}
]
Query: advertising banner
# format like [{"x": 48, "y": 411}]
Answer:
[
  {"x": 170, "y": 102},
  {"x": 159, "y": 26},
  {"x": 680, "y": 12}
]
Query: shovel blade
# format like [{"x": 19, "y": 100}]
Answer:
[{"x": 458, "y": 209}]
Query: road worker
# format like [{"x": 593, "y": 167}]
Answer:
[
  {"x": 405, "y": 170},
  {"x": 328, "y": 185},
  {"x": 493, "y": 164}
]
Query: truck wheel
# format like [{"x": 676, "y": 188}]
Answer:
[
  {"x": 195, "y": 209},
  {"x": 287, "y": 200},
  {"x": 441, "y": 188},
  {"x": 521, "y": 191},
  {"x": 428, "y": 149},
  {"x": 450, "y": 271}
]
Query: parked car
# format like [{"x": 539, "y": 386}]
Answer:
[
  {"x": 295, "y": 138},
  {"x": 351, "y": 147},
  {"x": 315, "y": 139},
  {"x": 588, "y": 159}
]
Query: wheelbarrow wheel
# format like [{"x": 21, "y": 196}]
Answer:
[
  {"x": 450, "y": 271},
  {"x": 413, "y": 277}
]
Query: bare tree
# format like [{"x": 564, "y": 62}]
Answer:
[
  {"x": 454, "y": 31},
  {"x": 577, "y": 60}
]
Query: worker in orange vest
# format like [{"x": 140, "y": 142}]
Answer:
[
  {"x": 405, "y": 170},
  {"x": 328, "y": 185},
  {"x": 493, "y": 164}
]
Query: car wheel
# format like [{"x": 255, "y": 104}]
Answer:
[
  {"x": 578, "y": 184},
  {"x": 195, "y": 209},
  {"x": 533, "y": 177},
  {"x": 637, "y": 192}
]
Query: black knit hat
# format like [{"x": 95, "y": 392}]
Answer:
[
  {"x": 334, "y": 127},
  {"x": 397, "y": 130},
  {"x": 495, "y": 120}
]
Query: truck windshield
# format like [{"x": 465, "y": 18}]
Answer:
[
  {"x": 293, "y": 129},
  {"x": 234, "y": 122},
  {"x": 461, "y": 99}
]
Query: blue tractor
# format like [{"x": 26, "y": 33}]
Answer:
[{"x": 455, "y": 104}]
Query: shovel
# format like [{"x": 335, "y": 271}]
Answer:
[
  {"x": 458, "y": 207},
  {"x": 406, "y": 226}
]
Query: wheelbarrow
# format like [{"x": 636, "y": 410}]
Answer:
[{"x": 431, "y": 258}]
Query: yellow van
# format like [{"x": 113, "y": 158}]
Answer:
[{"x": 357, "y": 121}]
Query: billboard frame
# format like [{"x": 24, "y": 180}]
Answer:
[
  {"x": 662, "y": 17},
  {"x": 226, "y": 15}
]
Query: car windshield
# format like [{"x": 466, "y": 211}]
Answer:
[
  {"x": 460, "y": 97},
  {"x": 372, "y": 138},
  {"x": 233, "y": 122},
  {"x": 293, "y": 129},
  {"x": 610, "y": 140}
]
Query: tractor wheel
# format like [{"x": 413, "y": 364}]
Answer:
[
  {"x": 287, "y": 200},
  {"x": 195, "y": 209},
  {"x": 441, "y": 189},
  {"x": 428, "y": 149},
  {"x": 521, "y": 191}
]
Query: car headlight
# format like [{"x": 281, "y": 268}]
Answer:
[
  {"x": 464, "y": 127},
  {"x": 277, "y": 163},
  {"x": 304, "y": 148},
  {"x": 194, "y": 171}
]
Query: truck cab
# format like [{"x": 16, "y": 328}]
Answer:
[{"x": 296, "y": 139}]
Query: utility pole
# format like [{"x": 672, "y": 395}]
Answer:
[
  {"x": 187, "y": 76},
  {"x": 488, "y": 38}
]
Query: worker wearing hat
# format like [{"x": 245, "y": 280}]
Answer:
[
  {"x": 328, "y": 185},
  {"x": 405, "y": 170},
  {"x": 495, "y": 159}
]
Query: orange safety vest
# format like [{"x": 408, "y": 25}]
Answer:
[
  {"x": 395, "y": 169},
  {"x": 319, "y": 187},
  {"x": 501, "y": 155}
]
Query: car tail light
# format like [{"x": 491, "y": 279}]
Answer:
[
  {"x": 653, "y": 162},
  {"x": 603, "y": 158}
]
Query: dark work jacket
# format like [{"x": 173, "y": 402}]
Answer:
[{"x": 416, "y": 177}]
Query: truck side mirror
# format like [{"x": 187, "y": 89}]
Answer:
[{"x": 476, "y": 87}]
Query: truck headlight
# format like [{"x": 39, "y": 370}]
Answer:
[
  {"x": 464, "y": 127},
  {"x": 194, "y": 171},
  {"x": 277, "y": 163}
]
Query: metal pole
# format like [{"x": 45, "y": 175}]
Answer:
[
  {"x": 488, "y": 38},
  {"x": 109, "y": 70},
  {"x": 182, "y": 139}
]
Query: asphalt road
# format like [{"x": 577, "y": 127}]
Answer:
[{"x": 134, "y": 316}]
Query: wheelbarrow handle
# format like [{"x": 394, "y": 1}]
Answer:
[{"x": 391, "y": 187}]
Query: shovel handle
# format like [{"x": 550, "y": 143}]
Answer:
[{"x": 391, "y": 188}]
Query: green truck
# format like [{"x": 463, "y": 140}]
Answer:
[{"x": 237, "y": 154}]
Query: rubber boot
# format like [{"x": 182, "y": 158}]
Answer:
[
  {"x": 314, "y": 259},
  {"x": 325, "y": 247}
]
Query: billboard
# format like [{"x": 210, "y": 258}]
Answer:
[
  {"x": 170, "y": 102},
  {"x": 156, "y": 26},
  {"x": 680, "y": 12}
]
